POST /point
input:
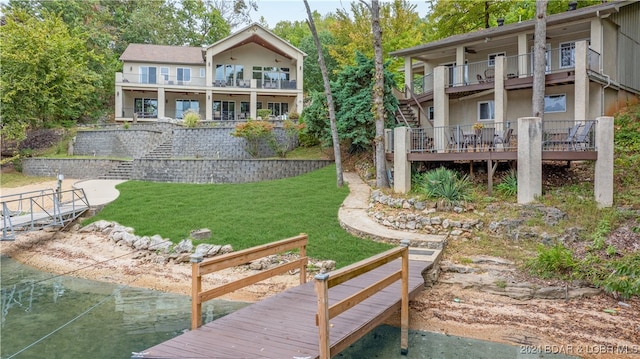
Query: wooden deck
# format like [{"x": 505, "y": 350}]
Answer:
[{"x": 284, "y": 325}]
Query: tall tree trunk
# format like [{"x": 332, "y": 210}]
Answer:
[
  {"x": 382, "y": 180},
  {"x": 539, "y": 59},
  {"x": 327, "y": 91}
]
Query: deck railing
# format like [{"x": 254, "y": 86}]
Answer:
[
  {"x": 200, "y": 267},
  {"x": 462, "y": 138},
  {"x": 422, "y": 84},
  {"x": 569, "y": 135},
  {"x": 326, "y": 312}
]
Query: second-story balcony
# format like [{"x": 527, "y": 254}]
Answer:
[{"x": 200, "y": 82}]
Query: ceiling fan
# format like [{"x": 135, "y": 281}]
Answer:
[{"x": 469, "y": 50}]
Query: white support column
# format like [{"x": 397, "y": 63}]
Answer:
[
  {"x": 118, "y": 102},
  {"x": 253, "y": 99},
  {"x": 523, "y": 60},
  {"x": 581, "y": 87},
  {"x": 459, "y": 72},
  {"x": 603, "y": 180},
  {"x": 529, "y": 159},
  {"x": 500, "y": 94},
  {"x": 401, "y": 166},
  {"x": 440, "y": 105},
  {"x": 161, "y": 101},
  {"x": 208, "y": 112}
]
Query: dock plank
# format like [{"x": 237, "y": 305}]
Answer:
[{"x": 283, "y": 326}]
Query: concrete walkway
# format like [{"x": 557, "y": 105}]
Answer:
[
  {"x": 99, "y": 192},
  {"x": 354, "y": 218}
]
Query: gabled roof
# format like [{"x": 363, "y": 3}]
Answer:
[
  {"x": 515, "y": 28},
  {"x": 163, "y": 54},
  {"x": 256, "y": 33}
]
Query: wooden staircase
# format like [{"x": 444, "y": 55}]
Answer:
[{"x": 405, "y": 114}]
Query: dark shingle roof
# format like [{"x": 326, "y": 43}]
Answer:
[{"x": 163, "y": 54}]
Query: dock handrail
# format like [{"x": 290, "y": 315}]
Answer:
[
  {"x": 328, "y": 280},
  {"x": 200, "y": 267}
]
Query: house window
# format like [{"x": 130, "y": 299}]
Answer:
[
  {"x": 567, "y": 54},
  {"x": 202, "y": 73},
  {"x": 164, "y": 73},
  {"x": 486, "y": 111},
  {"x": 272, "y": 77},
  {"x": 278, "y": 109},
  {"x": 245, "y": 110},
  {"x": 430, "y": 115},
  {"x": 231, "y": 75},
  {"x": 146, "y": 107},
  {"x": 555, "y": 103},
  {"x": 183, "y": 74},
  {"x": 224, "y": 110},
  {"x": 184, "y": 105},
  {"x": 492, "y": 58},
  {"x": 147, "y": 75}
]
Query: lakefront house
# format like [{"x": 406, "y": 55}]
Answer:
[{"x": 229, "y": 80}]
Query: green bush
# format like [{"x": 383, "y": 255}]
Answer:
[
  {"x": 264, "y": 113},
  {"x": 445, "y": 184},
  {"x": 509, "y": 184},
  {"x": 553, "y": 261},
  {"x": 624, "y": 276},
  {"x": 191, "y": 118},
  {"x": 253, "y": 131}
]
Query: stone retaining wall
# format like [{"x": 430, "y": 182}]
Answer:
[
  {"x": 176, "y": 170},
  {"x": 131, "y": 143},
  {"x": 222, "y": 171},
  {"x": 69, "y": 167}
]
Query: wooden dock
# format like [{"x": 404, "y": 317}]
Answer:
[{"x": 284, "y": 326}]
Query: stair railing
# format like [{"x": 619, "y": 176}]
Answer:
[
  {"x": 404, "y": 119},
  {"x": 413, "y": 97}
]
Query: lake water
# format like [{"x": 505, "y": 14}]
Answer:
[{"x": 46, "y": 316}]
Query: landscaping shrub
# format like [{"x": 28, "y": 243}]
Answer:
[
  {"x": 253, "y": 131},
  {"x": 445, "y": 184},
  {"x": 509, "y": 184},
  {"x": 191, "y": 118},
  {"x": 553, "y": 261}
]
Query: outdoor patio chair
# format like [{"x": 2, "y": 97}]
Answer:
[
  {"x": 567, "y": 141},
  {"x": 489, "y": 74},
  {"x": 505, "y": 139},
  {"x": 456, "y": 139},
  {"x": 480, "y": 79},
  {"x": 582, "y": 139},
  {"x": 487, "y": 137}
]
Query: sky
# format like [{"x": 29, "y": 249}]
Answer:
[{"x": 294, "y": 10}]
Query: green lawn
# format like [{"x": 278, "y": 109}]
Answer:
[{"x": 244, "y": 215}]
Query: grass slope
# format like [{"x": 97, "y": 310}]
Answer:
[{"x": 244, "y": 215}]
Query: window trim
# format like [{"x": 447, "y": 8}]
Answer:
[
  {"x": 203, "y": 73},
  {"x": 491, "y": 61},
  {"x": 572, "y": 48},
  {"x": 155, "y": 70},
  {"x": 564, "y": 95},
  {"x": 183, "y": 73},
  {"x": 492, "y": 105},
  {"x": 167, "y": 75}
]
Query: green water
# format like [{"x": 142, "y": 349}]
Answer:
[
  {"x": 64, "y": 317},
  {"x": 111, "y": 321}
]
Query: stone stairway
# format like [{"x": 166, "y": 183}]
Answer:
[
  {"x": 406, "y": 113},
  {"x": 162, "y": 152},
  {"x": 121, "y": 172}
]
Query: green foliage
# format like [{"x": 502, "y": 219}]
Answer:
[
  {"x": 624, "y": 276},
  {"x": 354, "y": 103},
  {"x": 245, "y": 215},
  {"x": 291, "y": 130},
  {"x": 443, "y": 183},
  {"x": 191, "y": 118},
  {"x": 263, "y": 113},
  {"x": 600, "y": 235},
  {"x": 509, "y": 184},
  {"x": 254, "y": 131},
  {"x": 46, "y": 73},
  {"x": 553, "y": 261},
  {"x": 313, "y": 81}
]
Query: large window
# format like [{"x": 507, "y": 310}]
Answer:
[
  {"x": 147, "y": 75},
  {"x": 278, "y": 109},
  {"x": 567, "y": 54},
  {"x": 146, "y": 107},
  {"x": 555, "y": 103},
  {"x": 245, "y": 110},
  {"x": 486, "y": 111},
  {"x": 272, "y": 77},
  {"x": 224, "y": 110},
  {"x": 164, "y": 73},
  {"x": 183, "y": 105},
  {"x": 230, "y": 75},
  {"x": 183, "y": 74}
]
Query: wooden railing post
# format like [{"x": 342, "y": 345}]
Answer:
[
  {"x": 404, "y": 311},
  {"x": 303, "y": 268},
  {"x": 322, "y": 291},
  {"x": 196, "y": 287}
]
